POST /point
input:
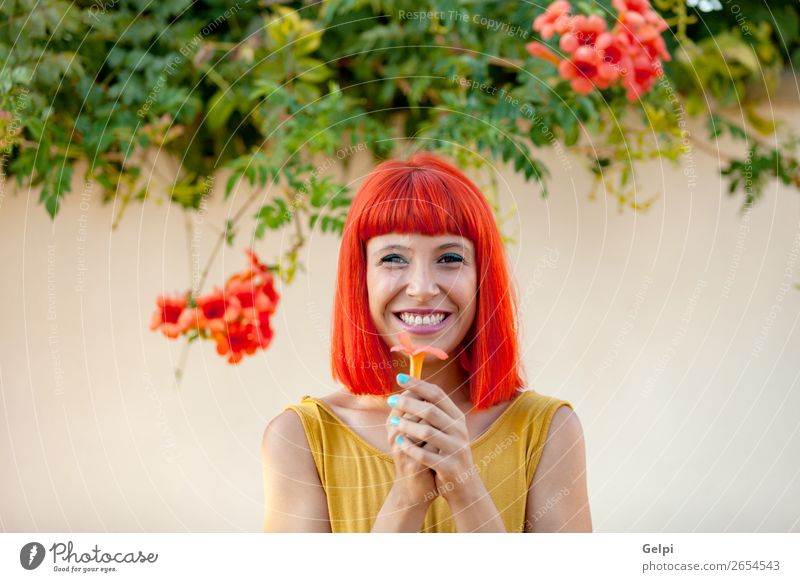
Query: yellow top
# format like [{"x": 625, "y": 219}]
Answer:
[{"x": 357, "y": 477}]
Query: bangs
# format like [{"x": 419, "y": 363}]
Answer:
[{"x": 427, "y": 202}]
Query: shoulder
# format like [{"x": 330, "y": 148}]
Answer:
[
  {"x": 291, "y": 479},
  {"x": 564, "y": 447},
  {"x": 565, "y": 426},
  {"x": 286, "y": 429},
  {"x": 558, "y": 496},
  {"x": 339, "y": 399},
  {"x": 541, "y": 411},
  {"x": 285, "y": 441}
]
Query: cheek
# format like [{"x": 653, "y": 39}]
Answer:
[
  {"x": 468, "y": 304},
  {"x": 463, "y": 290},
  {"x": 380, "y": 291}
]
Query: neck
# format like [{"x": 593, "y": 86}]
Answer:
[{"x": 450, "y": 377}]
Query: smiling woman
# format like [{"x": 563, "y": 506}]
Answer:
[{"x": 466, "y": 447}]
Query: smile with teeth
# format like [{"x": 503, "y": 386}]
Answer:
[{"x": 414, "y": 319}]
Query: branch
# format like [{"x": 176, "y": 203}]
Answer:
[{"x": 179, "y": 370}]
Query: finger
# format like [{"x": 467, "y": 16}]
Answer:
[
  {"x": 418, "y": 420},
  {"x": 391, "y": 428},
  {"x": 414, "y": 418},
  {"x": 392, "y": 432},
  {"x": 433, "y": 394},
  {"x": 427, "y": 411},
  {"x": 425, "y": 433},
  {"x": 431, "y": 448},
  {"x": 423, "y": 456},
  {"x": 396, "y": 440},
  {"x": 407, "y": 415}
]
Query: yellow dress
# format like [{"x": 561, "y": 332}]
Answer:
[{"x": 357, "y": 477}]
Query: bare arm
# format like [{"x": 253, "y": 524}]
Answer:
[
  {"x": 294, "y": 500},
  {"x": 558, "y": 499}
]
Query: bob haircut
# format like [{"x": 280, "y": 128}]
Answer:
[{"x": 425, "y": 195}]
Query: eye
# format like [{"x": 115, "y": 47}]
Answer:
[
  {"x": 448, "y": 258},
  {"x": 387, "y": 258}
]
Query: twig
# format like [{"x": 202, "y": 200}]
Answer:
[
  {"x": 181, "y": 365},
  {"x": 704, "y": 147},
  {"x": 179, "y": 370}
]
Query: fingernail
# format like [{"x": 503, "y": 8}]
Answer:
[
  {"x": 399, "y": 440},
  {"x": 402, "y": 378},
  {"x": 392, "y": 400},
  {"x": 394, "y": 420}
]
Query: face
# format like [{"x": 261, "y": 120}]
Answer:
[{"x": 411, "y": 275}]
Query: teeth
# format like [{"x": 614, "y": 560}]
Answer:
[{"x": 411, "y": 319}]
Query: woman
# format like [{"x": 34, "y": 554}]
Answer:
[{"x": 463, "y": 449}]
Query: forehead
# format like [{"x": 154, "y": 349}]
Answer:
[{"x": 418, "y": 242}]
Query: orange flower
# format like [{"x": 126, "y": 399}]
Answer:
[
  {"x": 614, "y": 51},
  {"x": 636, "y": 6},
  {"x": 537, "y": 49},
  {"x": 237, "y": 341},
  {"x": 417, "y": 355},
  {"x": 255, "y": 264},
  {"x": 554, "y": 20},
  {"x": 252, "y": 298},
  {"x": 168, "y": 314},
  {"x": 583, "y": 31},
  {"x": 581, "y": 70},
  {"x": 256, "y": 270},
  {"x": 644, "y": 76},
  {"x": 263, "y": 330},
  {"x": 214, "y": 311}
]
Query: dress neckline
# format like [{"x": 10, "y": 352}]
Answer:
[{"x": 376, "y": 451}]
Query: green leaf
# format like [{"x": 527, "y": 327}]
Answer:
[
  {"x": 220, "y": 109},
  {"x": 55, "y": 185},
  {"x": 230, "y": 233},
  {"x": 272, "y": 216},
  {"x": 539, "y": 133},
  {"x": 36, "y": 127},
  {"x": 313, "y": 70},
  {"x": 230, "y": 183},
  {"x": 762, "y": 124}
]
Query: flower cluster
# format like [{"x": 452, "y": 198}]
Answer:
[
  {"x": 629, "y": 55},
  {"x": 236, "y": 317}
]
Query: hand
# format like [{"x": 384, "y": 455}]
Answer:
[
  {"x": 414, "y": 481},
  {"x": 443, "y": 428}
]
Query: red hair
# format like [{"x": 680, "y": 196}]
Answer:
[{"x": 425, "y": 195}]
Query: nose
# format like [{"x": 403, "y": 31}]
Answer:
[{"x": 422, "y": 285}]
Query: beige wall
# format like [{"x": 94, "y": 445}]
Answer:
[{"x": 669, "y": 331}]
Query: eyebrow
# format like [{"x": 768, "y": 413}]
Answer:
[{"x": 440, "y": 247}]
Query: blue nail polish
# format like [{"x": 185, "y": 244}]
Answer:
[
  {"x": 392, "y": 400},
  {"x": 402, "y": 378},
  {"x": 399, "y": 439},
  {"x": 394, "y": 420}
]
